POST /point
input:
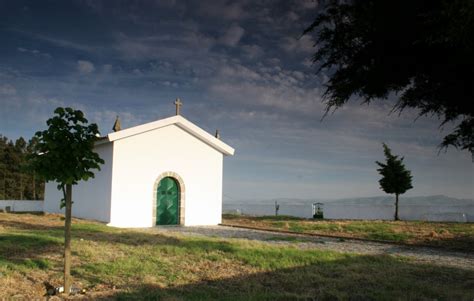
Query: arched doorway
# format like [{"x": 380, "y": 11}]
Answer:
[
  {"x": 167, "y": 211},
  {"x": 181, "y": 197}
]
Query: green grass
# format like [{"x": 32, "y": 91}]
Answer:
[
  {"x": 370, "y": 230},
  {"x": 145, "y": 265}
]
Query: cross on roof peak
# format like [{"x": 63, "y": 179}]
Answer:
[{"x": 178, "y": 105}]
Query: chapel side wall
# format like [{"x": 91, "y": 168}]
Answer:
[
  {"x": 91, "y": 199},
  {"x": 141, "y": 159}
]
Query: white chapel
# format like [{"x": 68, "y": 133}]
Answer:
[{"x": 166, "y": 172}]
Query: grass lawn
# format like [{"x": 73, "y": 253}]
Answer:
[
  {"x": 128, "y": 264},
  {"x": 450, "y": 235}
]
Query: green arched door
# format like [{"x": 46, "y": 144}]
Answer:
[{"x": 167, "y": 211}]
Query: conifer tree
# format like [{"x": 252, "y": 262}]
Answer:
[{"x": 395, "y": 177}]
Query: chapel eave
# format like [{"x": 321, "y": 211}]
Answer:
[{"x": 179, "y": 121}]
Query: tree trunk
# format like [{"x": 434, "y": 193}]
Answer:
[
  {"x": 34, "y": 186},
  {"x": 21, "y": 186},
  {"x": 396, "y": 207},
  {"x": 67, "y": 240},
  {"x": 4, "y": 185}
]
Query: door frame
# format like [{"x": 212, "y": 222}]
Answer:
[{"x": 181, "y": 196}]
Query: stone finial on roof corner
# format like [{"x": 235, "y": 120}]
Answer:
[{"x": 117, "y": 127}]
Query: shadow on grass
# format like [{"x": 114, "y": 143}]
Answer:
[
  {"x": 351, "y": 278},
  {"x": 28, "y": 226},
  {"x": 25, "y": 250}
]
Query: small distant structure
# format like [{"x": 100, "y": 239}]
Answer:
[
  {"x": 277, "y": 208},
  {"x": 318, "y": 210}
]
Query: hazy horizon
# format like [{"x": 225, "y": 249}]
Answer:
[{"x": 390, "y": 197}]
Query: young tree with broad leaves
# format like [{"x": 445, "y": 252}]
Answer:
[
  {"x": 64, "y": 153},
  {"x": 396, "y": 179},
  {"x": 422, "y": 52}
]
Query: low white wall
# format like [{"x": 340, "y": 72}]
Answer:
[
  {"x": 22, "y": 206},
  {"x": 340, "y": 211}
]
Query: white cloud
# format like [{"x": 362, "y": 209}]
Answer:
[
  {"x": 269, "y": 87},
  {"x": 221, "y": 10},
  {"x": 162, "y": 46},
  {"x": 252, "y": 51},
  {"x": 170, "y": 84},
  {"x": 304, "y": 44},
  {"x": 232, "y": 36},
  {"x": 85, "y": 67},
  {"x": 308, "y": 4},
  {"x": 107, "y": 68},
  {"x": 34, "y": 52},
  {"x": 57, "y": 41},
  {"x": 7, "y": 89},
  {"x": 137, "y": 71},
  {"x": 292, "y": 16}
]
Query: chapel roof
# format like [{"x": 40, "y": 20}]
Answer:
[{"x": 177, "y": 120}]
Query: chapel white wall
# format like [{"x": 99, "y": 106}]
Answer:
[
  {"x": 91, "y": 199},
  {"x": 139, "y": 160}
]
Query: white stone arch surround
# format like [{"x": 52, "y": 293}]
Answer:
[{"x": 181, "y": 198}]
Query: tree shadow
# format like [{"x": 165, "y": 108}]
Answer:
[
  {"x": 28, "y": 226},
  {"x": 352, "y": 278},
  {"x": 27, "y": 250}
]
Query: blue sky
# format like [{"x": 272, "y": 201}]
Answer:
[{"x": 238, "y": 66}]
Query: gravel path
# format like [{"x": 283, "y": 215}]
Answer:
[{"x": 420, "y": 254}]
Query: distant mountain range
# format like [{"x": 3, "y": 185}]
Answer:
[{"x": 432, "y": 200}]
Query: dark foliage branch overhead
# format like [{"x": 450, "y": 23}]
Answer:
[{"x": 423, "y": 51}]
